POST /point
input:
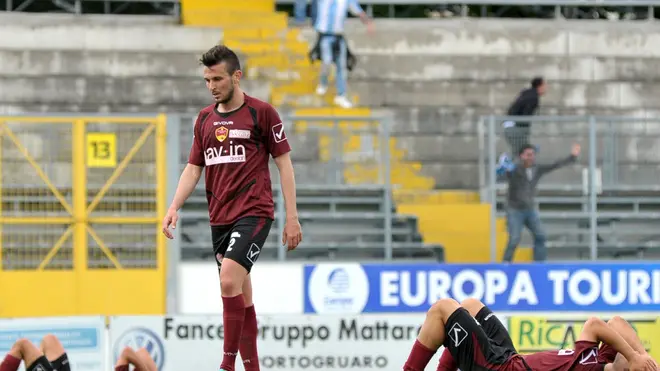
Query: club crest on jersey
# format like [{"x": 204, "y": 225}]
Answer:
[{"x": 221, "y": 133}]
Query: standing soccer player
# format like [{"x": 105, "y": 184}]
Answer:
[{"x": 232, "y": 140}]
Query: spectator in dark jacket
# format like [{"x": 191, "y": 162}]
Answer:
[
  {"x": 527, "y": 104},
  {"x": 523, "y": 177}
]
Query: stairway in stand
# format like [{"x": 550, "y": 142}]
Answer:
[{"x": 277, "y": 55}]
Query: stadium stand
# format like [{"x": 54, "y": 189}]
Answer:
[{"x": 435, "y": 78}]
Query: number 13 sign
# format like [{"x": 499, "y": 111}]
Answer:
[{"x": 101, "y": 150}]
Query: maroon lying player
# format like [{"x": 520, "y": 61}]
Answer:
[
  {"x": 233, "y": 139},
  {"x": 50, "y": 356},
  {"x": 475, "y": 340}
]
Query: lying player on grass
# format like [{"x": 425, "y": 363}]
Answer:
[
  {"x": 51, "y": 356},
  {"x": 475, "y": 340}
]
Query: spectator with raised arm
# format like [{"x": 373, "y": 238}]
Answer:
[{"x": 523, "y": 177}]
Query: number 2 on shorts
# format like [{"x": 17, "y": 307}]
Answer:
[{"x": 233, "y": 237}]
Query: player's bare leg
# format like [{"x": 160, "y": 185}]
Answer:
[
  {"x": 623, "y": 328},
  {"x": 24, "y": 350},
  {"x": 473, "y": 306},
  {"x": 596, "y": 330},
  {"x": 248, "y": 346},
  {"x": 232, "y": 277},
  {"x": 54, "y": 351},
  {"x": 628, "y": 333},
  {"x": 129, "y": 357},
  {"x": 432, "y": 334},
  {"x": 146, "y": 359},
  {"x": 13, "y": 359}
]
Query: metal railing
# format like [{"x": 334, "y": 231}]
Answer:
[
  {"x": 619, "y": 158},
  {"x": 81, "y": 195},
  {"x": 173, "y": 7}
]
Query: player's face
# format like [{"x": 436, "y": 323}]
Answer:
[
  {"x": 220, "y": 83},
  {"x": 527, "y": 157}
]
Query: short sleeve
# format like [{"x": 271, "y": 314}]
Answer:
[
  {"x": 355, "y": 8},
  {"x": 277, "y": 143},
  {"x": 196, "y": 156}
]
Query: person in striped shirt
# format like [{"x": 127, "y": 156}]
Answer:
[{"x": 330, "y": 20}]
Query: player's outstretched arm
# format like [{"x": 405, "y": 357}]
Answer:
[
  {"x": 292, "y": 231},
  {"x": 596, "y": 330},
  {"x": 129, "y": 357},
  {"x": 24, "y": 350},
  {"x": 187, "y": 183}
]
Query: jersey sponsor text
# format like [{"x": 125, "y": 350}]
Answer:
[
  {"x": 225, "y": 154},
  {"x": 239, "y": 134}
]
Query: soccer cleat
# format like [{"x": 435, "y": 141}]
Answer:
[
  {"x": 320, "y": 90},
  {"x": 343, "y": 102}
]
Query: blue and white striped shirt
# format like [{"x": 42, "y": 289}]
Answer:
[{"x": 332, "y": 15}]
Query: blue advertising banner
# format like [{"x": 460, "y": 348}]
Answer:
[{"x": 396, "y": 288}]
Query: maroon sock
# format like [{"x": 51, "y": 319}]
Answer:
[
  {"x": 447, "y": 362},
  {"x": 233, "y": 317},
  {"x": 419, "y": 357},
  {"x": 10, "y": 363},
  {"x": 248, "y": 346}
]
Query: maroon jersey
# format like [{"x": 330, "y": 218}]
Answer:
[
  {"x": 583, "y": 358},
  {"x": 235, "y": 147}
]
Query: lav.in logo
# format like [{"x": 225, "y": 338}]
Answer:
[
  {"x": 338, "y": 288},
  {"x": 139, "y": 337}
]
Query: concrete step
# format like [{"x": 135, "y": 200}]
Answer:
[
  {"x": 471, "y": 93},
  {"x": 100, "y": 63},
  {"x": 465, "y": 148},
  {"x": 86, "y": 33},
  {"x": 104, "y": 90},
  {"x": 514, "y": 69},
  {"x": 463, "y": 120},
  {"x": 503, "y": 37},
  {"x": 93, "y": 107},
  {"x": 465, "y": 175}
]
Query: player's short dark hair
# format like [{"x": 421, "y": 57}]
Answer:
[
  {"x": 219, "y": 54},
  {"x": 537, "y": 81},
  {"x": 525, "y": 148}
]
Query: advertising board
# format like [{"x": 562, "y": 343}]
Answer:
[
  {"x": 82, "y": 337},
  {"x": 286, "y": 342},
  {"x": 554, "y": 331},
  {"x": 391, "y": 288},
  {"x": 199, "y": 288}
]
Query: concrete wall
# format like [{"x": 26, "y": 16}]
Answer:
[{"x": 435, "y": 76}]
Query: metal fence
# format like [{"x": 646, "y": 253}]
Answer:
[
  {"x": 81, "y": 197},
  {"x": 616, "y": 172}
]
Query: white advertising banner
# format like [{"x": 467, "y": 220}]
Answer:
[
  {"x": 320, "y": 342},
  {"x": 82, "y": 337},
  {"x": 277, "y": 288}
]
